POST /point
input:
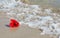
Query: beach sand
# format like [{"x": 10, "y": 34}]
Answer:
[{"x": 22, "y": 32}]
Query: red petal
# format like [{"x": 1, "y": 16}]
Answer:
[{"x": 14, "y": 23}]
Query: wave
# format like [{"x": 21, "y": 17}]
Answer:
[{"x": 34, "y": 16}]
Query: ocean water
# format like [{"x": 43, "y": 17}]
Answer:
[{"x": 53, "y": 3}]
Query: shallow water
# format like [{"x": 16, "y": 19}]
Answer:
[
  {"x": 44, "y": 3},
  {"x": 53, "y": 3}
]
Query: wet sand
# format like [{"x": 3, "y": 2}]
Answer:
[{"x": 22, "y": 32}]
